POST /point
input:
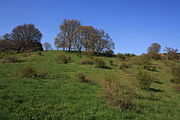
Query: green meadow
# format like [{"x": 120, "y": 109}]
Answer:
[{"x": 60, "y": 95}]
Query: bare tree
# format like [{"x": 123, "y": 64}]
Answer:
[
  {"x": 47, "y": 46},
  {"x": 25, "y": 36}
]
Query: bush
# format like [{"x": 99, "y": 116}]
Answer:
[
  {"x": 155, "y": 55},
  {"x": 64, "y": 59},
  {"x": 88, "y": 53},
  {"x": 145, "y": 61},
  {"x": 99, "y": 63},
  {"x": 121, "y": 56},
  {"x": 111, "y": 62},
  {"x": 108, "y": 53},
  {"x": 83, "y": 78},
  {"x": 87, "y": 61},
  {"x": 175, "y": 70},
  {"x": 31, "y": 72},
  {"x": 10, "y": 59},
  {"x": 124, "y": 65},
  {"x": 118, "y": 95},
  {"x": 39, "y": 53},
  {"x": 145, "y": 79}
]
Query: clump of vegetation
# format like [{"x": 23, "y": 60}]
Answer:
[
  {"x": 111, "y": 62},
  {"x": 83, "y": 78},
  {"x": 39, "y": 53},
  {"x": 176, "y": 88},
  {"x": 124, "y": 65},
  {"x": 63, "y": 58},
  {"x": 121, "y": 57},
  {"x": 31, "y": 72},
  {"x": 175, "y": 70},
  {"x": 87, "y": 61},
  {"x": 99, "y": 63},
  {"x": 145, "y": 79},
  {"x": 145, "y": 61},
  {"x": 88, "y": 53},
  {"x": 10, "y": 59},
  {"x": 118, "y": 95}
]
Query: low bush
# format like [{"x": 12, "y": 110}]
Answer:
[
  {"x": 83, "y": 78},
  {"x": 31, "y": 72},
  {"x": 145, "y": 79},
  {"x": 87, "y": 61},
  {"x": 111, "y": 62},
  {"x": 39, "y": 53},
  {"x": 63, "y": 58},
  {"x": 99, "y": 63},
  {"x": 175, "y": 70},
  {"x": 118, "y": 95},
  {"x": 10, "y": 59},
  {"x": 124, "y": 65},
  {"x": 154, "y": 55}
]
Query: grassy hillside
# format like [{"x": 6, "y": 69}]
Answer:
[{"x": 60, "y": 95}]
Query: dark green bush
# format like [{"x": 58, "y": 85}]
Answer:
[
  {"x": 118, "y": 95},
  {"x": 87, "y": 61},
  {"x": 124, "y": 65},
  {"x": 39, "y": 53},
  {"x": 63, "y": 58},
  {"x": 99, "y": 63},
  {"x": 145, "y": 79}
]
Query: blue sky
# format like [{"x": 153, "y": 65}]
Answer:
[{"x": 133, "y": 24}]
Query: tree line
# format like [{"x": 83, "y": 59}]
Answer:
[{"x": 73, "y": 37}]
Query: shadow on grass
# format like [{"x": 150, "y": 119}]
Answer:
[{"x": 155, "y": 90}]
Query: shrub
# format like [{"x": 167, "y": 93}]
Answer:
[
  {"x": 145, "y": 61},
  {"x": 124, "y": 65},
  {"x": 88, "y": 53},
  {"x": 145, "y": 79},
  {"x": 31, "y": 72},
  {"x": 118, "y": 95},
  {"x": 99, "y": 63},
  {"x": 111, "y": 62},
  {"x": 109, "y": 53},
  {"x": 83, "y": 78},
  {"x": 121, "y": 56},
  {"x": 64, "y": 59},
  {"x": 155, "y": 55},
  {"x": 175, "y": 70},
  {"x": 10, "y": 59},
  {"x": 39, "y": 53},
  {"x": 87, "y": 61}
]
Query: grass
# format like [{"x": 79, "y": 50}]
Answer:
[{"x": 61, "y": 96}]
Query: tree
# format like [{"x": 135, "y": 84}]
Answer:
[
  {"x": 68, "y": 30},
  {"x": 6, "y": 43},
  {"x": 25, "y": 36},
  {"x": 172, "y": 53},
  {"x": 47, "y": 46},
  {"x": 60, "y": 41},
  {"x": 155, "y": 47}
]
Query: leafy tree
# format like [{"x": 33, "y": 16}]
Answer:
[
  {"x": 47, "y": 46},
  {"x": 155, "y": 47}
]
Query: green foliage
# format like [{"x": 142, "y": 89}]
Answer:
[
  {"x": 39, "y": 53},
  {"x": 118, "y": 95},
  {"x": 145, "y": 79},
  {"x": 175, "y": 70},
  {"x": 87, "y": 61},
  {"x": 99, "y": 63},
  {"x": 63, "y": 58},
  {"x": 154, "y": 55}
]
